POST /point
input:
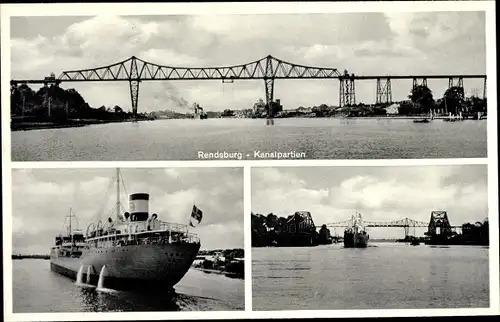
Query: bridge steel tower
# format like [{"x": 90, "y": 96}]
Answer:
[
  {"x": 417, "y": 83},
  {"x": 484, "y": 89},
  {"x": 384, "y": 91},
  {"x": 347, "y": 90},
  {"x": 134, "y": 81},
  {"x": 269, "y": 84},
  {"x": 455, "y": 82},
  {"x": 439, "y": 225},
  {"x": 458, "y": 83}
]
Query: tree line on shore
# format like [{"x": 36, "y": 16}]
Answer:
[
  {"x": 37, "y": 256},
  {"x": 420, "y": 101},
  {"x": 269, "y": 230},
  {"x": 474, "y": 233},
  {"x": 227, "y": 264},
  {"x": 265, "y": 229},
  {"x": 28, "y": 105},
  {"x": 229, "y": 254}
]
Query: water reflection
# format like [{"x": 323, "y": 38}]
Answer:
[
  {"x": 319, "y": 138},
  {"x": 390, "y": 276},
  {"x": 55, "y": 293},
  {"x": 118, "y": 301}
]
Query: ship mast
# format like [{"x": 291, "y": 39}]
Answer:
[{"x": 117, "y": 193}]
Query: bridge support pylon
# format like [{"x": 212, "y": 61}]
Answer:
[
  {"x": 134, "y": 96},
  {"x": 347, "y": 91},
  {"x": 134, "y": 81},
  {"x": 417, "y": 83},
  {"x": 458, "y": 83},
  {"x": 384, "y": 91},
  {"x": 13, "y": 88},
  {"x": 269, "y": 84},
  {"x": 484, "y": 89}
]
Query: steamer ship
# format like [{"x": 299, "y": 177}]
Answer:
[
  {"x": 356, "y": 236},
  {"x": 199, "y": 113},
  {"x": 136, "y": 250}
]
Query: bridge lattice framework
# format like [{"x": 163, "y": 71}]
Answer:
[
  {"x": 406, "y": 223},
  {"x": 135, "y": 70}
]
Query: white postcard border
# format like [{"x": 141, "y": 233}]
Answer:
[{"x": 248, "y": 8}]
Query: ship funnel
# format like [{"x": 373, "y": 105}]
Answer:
[{"x": 139, "y": 206}]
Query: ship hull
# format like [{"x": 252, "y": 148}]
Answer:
[
  {"x": 355, "y": 240},
  {"x": 131, "y": 267}
]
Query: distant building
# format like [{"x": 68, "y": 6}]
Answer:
[
  {"x": 259, "y": 108},
  {"x": 304, "y": 109}
]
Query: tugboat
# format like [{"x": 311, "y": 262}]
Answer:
[
  {"x": 356, "y": 236},
  {"x": 134, "y": 251}
]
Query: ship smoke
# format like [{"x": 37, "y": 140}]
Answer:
[{"x": 169, "y": 93}]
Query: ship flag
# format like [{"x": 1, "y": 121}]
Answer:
[{"x": 196, "y": 215}]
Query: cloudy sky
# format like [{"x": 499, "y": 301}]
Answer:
[
  {"x": 333, "y": 194},
  {"x": 42, "y": 198},
  {"x": 362, "y": 43}
]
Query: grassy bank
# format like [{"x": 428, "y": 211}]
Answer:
[{"x": 26, "y": 126}]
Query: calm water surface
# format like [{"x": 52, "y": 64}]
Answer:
[
  {"x": 383, "y": 276},
  {"x": 37, "y": 289},
  {"x": 319, "y": 138}
]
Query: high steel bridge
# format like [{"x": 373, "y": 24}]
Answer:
[
  {"x": 135, "y": 70},
  {"x": 438, "y": 224}
]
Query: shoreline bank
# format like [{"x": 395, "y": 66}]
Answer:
[
  {"x": 30, "y": 126},
  {"x": 220, "y": 272}
]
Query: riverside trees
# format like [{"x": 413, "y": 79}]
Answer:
[{"x": 53, "y": 103}]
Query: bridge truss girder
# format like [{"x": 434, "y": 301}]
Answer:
[
  {"x": 268, "y": 67},
  {"x": 405, "y": 223},
  {"x": 135, "y": 70}
]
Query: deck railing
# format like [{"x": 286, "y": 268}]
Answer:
[
  {"x": 142, "y": 239},
  {"x": 177, "y": 233}
]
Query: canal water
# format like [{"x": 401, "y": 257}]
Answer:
[
  {"x": 38, "y": 290},
  {"x": 382, "y": 276},
  {"x": 318, "y": 138}
]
